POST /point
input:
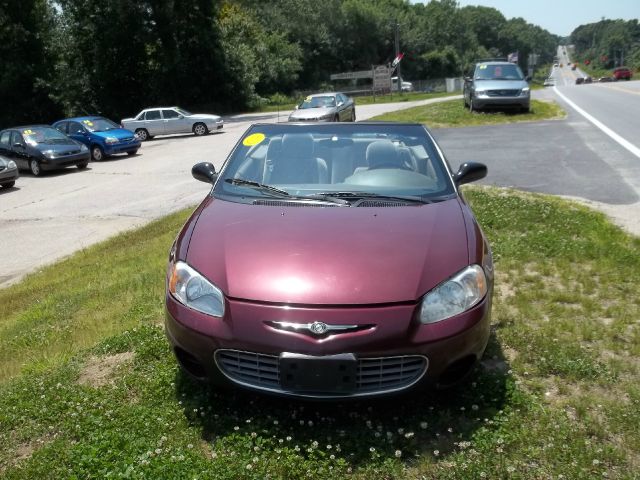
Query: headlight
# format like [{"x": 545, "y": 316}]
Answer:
[
  {"x": 11, "y": 165},
  {"x": 111, "y": 140},
  {"x": 193, "y": 290},
  {"x": 49, "y": 153},
  {"x": 525, "y": 91},
  {"x": 479, "y": 93},
  {"x": 454, "y": 296}
]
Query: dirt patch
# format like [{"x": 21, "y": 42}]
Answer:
[
  {"x": 23, "y": 451},
  {"x": 99, "y": 371}
]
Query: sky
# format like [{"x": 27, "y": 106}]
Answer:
[{"x": 561, "y": 17}]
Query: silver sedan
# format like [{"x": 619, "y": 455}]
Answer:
[
  {"x": 169, "y": 120},
  {"x": 8, "y": 172},
  {"x": 325, "y": 107}
]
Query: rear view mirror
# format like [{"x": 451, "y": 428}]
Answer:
[{"x": 205, "y": 172}]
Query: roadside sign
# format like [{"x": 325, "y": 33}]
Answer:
[
  {"x": 381, "y": 77},
  {"x": 351, "y": 75}
]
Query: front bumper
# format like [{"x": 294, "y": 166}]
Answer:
[
  {"x": 8, "y": 175},
  {"x": 486, "y": 101},
  {"x": 217, "y": 125},
  {"x": 64, "y": 161},
  {"x": 389, "y": 351},
  {"x": 122, "y": 147}
]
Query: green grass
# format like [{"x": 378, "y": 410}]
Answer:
[
  {"x": 289, "y": 104},
  {"x": 454, "y": 114},
  {"x": 557, "y": 394}
]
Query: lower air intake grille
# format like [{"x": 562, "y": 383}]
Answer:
[{"x": 374, "y": 375}]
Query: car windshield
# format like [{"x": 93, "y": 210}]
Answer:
[
  {"x": 99, "y": 124},
  {"x": 182, "y": 111},
  {"x": 336, "y": 163},
  {"x": 43, "y": 135},
  {"x": 319, "y": 102},
  {"x": 498, "y": 72}
]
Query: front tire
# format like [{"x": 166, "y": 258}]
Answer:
[
  {"x": 82, "y": 166},
  {"x": 97, "y": 154},
  {"x": 142, "y": 134},
  {"x": 34, "y": 166},
  {"x": 131, "y": 154},
  {"x": 353, "y": 115},
  {"x": 336, "y": 118},
  {"x": 200, "y": 129}
]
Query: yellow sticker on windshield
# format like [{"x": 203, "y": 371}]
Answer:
[
  {"x": 28, "y": 132},
  {"x": 483, "y": 67},
  {"x": 253, "y": 139},
  {"x": 308, "y": 99},
  {"x": 88, "y": 122}
]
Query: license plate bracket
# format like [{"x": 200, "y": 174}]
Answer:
[{"x": 321, "y": 374}]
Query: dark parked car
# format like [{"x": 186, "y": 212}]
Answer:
[
  {"x": 325, "y": 107},
  {"x": 579, "y": 80},
  {"x": 331, "y": 260},
  {"x": 497, "y": 85},
  {"x": 8, "y": 172},
  {"x": 622, "y": 73},
  {"x": 605, "y": 79},
  {"x": 41, "y": 147},
  {"x": 101, "y": 135}
]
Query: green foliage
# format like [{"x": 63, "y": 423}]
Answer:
[{"x": 608, "y": 43}]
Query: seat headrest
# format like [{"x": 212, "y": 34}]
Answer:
[
  {"x": 383, "y": 153},
  {"x": 299, "y": 145}
]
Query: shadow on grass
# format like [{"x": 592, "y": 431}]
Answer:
[{"x": 419, "y": 422}]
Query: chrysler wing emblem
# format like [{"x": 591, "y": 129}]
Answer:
[{"x": 316, "y": 328}]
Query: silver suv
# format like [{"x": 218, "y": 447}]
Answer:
[{"x": 498, "y": 85}]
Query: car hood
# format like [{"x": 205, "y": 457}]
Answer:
[
  {"x": 203, "y": 116},
  {"x": 312, "y": 113},
  {"x": 500, "y": 84},
  {"x": 328, "y": 256},
  {"x": 118, "y": 133}
]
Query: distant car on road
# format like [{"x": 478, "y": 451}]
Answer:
[
  {"x": 549, "y": 82},
  {"x": 574, "y": 66},
  {"x": 325, "y": 107},
  {"x": 102, "y": 136},
  {"x": 588, "y": 79},
  {"x": 622, "y": 73},
  {"x": 605, "y": 79},
  {"x": 169, "y": 120},
  {"x": 41, "y": 147},
  {"x": 497, "y": 84},
  {"x": 8, "y": 173},
  {"x": 579, "y": 80}
]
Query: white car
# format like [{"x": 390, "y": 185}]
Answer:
[
  {"x": 549, "y": 82},
  {"x": 169, "y": 120},
  {"x": 406, "y": 86}
]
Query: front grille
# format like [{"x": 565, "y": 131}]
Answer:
[
  {"x": 68, "y": 152},
  {"x": 503, "y": 93},
  {"x": 126, "y": 140},
  {"x": 374, "y": 375}
]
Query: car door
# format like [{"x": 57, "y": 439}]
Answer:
[
  {"x": 153, "y": 122},
  {"x": 5, "y": 144},
  {"x": 19, "y": 151},
  {"x": 76, "y": 131},
  {"x": 173, "y": 121}
]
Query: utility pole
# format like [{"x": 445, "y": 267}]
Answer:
[{"x": 396, "y": 27}]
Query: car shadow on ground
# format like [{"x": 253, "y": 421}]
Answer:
[
  {"x": 4, "y": 190},
  {"x": 181, "y": 135},
  {"x": 426, "y": 422},
  {"x": 253, "y": 118}
]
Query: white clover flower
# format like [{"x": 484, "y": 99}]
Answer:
[
  {"x": 288, "y": 438},
  {"x": 436, "y": 452},
  {"x": 236, "y": 428},
  {"x": 329, "y": 447},
  {"x": 372, "y": 449},
  {"x": 275, "y": 422},
  {"x": 423, "y": 425},
  {"x": 398, "y": 453},
  {"x": 249, "y": 466},
  {"x": 474, "y": 407},
  {"x": 190, "y": 446},
  {"x": 314, "y": 444},
  {"x": 332, "y": 457}
]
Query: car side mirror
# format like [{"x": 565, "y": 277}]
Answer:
[
  {"x": 470, "y": 172},
  {"x": 205, "y": 172},
  {"x": 467, "y": 79}
]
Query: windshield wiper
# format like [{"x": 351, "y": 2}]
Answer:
[
  {"x": 257, "y": 186},
  {"x": 281, "y": 193},
  {"x": 361, "y": 195}
]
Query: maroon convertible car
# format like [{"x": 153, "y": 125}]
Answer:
[{"x": 331, "y": 261}]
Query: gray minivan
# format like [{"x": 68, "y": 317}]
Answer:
[{"x": 497, "y": 84}]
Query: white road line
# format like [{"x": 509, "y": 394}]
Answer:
[{"x": 625, "y": 143}]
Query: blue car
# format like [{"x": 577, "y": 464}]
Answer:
[{"x": 102, "y": 136}]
